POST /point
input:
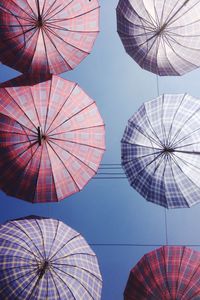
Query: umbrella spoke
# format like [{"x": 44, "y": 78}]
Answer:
[
  {"x": 76, "y": 279},
  {"x": 69, "y": 118},
  {"x": 49, "y": 30},
  {"x": 67, "y": 242}
]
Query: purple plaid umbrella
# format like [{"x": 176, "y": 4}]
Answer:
[
  {"x": 43, "y": 259},
  {"x": 161, "y": 150},
  {"x": 161, "y": 36},
  {"x": 167, "y": 273}
]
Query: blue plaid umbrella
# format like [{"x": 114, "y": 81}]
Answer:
[
  {"x": 161, "y": 150},
  {"x": 45, "y": 259}
]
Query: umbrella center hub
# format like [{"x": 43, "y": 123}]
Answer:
[
  {"x": 168, "y": 150},
  {"x": 44, "y": 267},
  {"x": 160, "y": 30},
  {"x": 40, "y": 22}
]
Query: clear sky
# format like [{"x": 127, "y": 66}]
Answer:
[{"x": 110, "y": 212}]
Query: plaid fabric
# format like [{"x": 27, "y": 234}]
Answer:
[
  {"x": 161, "y": 148},
  {"x": 47, "y": 36},
  {"x": 167, "y": 273},
  {"x": 72, "y": 140},
  {"x": 45, "y": 259},
  {"x": 162, "y": 36}
]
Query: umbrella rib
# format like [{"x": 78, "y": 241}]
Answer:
[
  {"x": 77, "y": 129},
  {"x": 60, "y": 278},
  {"x": 15, "y": 279},
  {"x": 140, "y": 145},
  {"x": 135, "y": 177},
  {"x": 179, "y": 272},
  {"x": 60, "y": 109},
  {"x": 9, "y": 11},
  {"x": 187, "y": 120},
  {"x": 77, "y": 143},
  {"x": 65, "y": 167},
  {"x": 78, "y": 267},
  {"x": 60, "y": 38},
  {"x": 30, "y": 260},
  {"x": 174, "y": 20},
  {"x": 17, "y": 267},
  {"x": 33, "y": 101},
  {"x": 38, "y": 171},
  {"x": 174, "y": 180},
  {"x": 24, "y": 113},
  {"x": 71, "y": 239},
  {"x": 72, "y": 154},
  {"x": 165, "y": 270},
  {"x": 50, "y": 91},
  {"x": 188, "y": 284},
  {"x": 53, "y": 26},
  {"x": 174, "y": 116},
  {"x": 42, "y": 237},
  {"x": 73, "y": 254},
  {"x": 69, "y": 118},
  {"x": 57, "y": 290},
  {"x": 24, "y": 248},
  {"x": 54, "y": 238},
  {"x": 165, "y": 50},
  {"x": 73, "y": 277},
  {"x": 181, "y": 57},
  {"x": 72, "y": 18},
  {"x": 29, "y": 237},
  {"x": 49, "y": 11},
  {"x": 154, "y": 279},
  {"x": 152, "y": 129},
  {"x": 139, "y": 129},
  {"x": 124, "y": 162},
  {"x": 46, "y": 54}
]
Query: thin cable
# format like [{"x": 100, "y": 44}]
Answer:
[
  {"x": 166, "y": 231},
  {"x": 139, "y": 245},
  {"x": 157, "y": 85}
]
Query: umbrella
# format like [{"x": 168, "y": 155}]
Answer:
[
  {"x": 161, "y": 150},
  {"x": 43, "y": 259},
  {"x": 162, "y": 36},
  {"x": 51, "y": 140},
  {"x": 167, "y": 273},
  {"x": 51, "y": 36}
]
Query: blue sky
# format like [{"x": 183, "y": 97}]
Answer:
[{"x": 110, "y": 211}]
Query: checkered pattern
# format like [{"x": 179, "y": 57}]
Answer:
[
  {"x": 162, "y": 36},
  {"x": 51, "y": 36},
  {"x": 167, "y": 273},
  {"x": 71, "y": 272},
  {"x": 161, "y": 150},
  {"x": 71, "y": 148}
]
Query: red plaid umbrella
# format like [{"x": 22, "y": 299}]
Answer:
[
  {"x": 167, "y": 273},
  {"x": 47, "y": 36},
  {"x": 51, "y": 140}
]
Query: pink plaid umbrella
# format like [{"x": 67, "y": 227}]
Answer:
[
  {"x": 51, "y": 140},
  {"x": 47, "y": 36},
  {"x": 167, "y": 273}
]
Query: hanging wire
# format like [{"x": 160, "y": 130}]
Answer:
[
  {"x": 139, "y": 245},
  {"x": 110, "y": 171}
]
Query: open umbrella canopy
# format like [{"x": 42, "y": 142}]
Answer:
[
  {"x": 51, "y": 140},
  {"x": 43, "y": 259},
  {"x": 51, "y": 36},
  {"x": 162, "y": 36},
  {"x": 167, "y": 273},
  {"x": 161, "y": 150}
]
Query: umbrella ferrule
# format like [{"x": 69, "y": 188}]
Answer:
[{"x": 39, "y": 135}]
